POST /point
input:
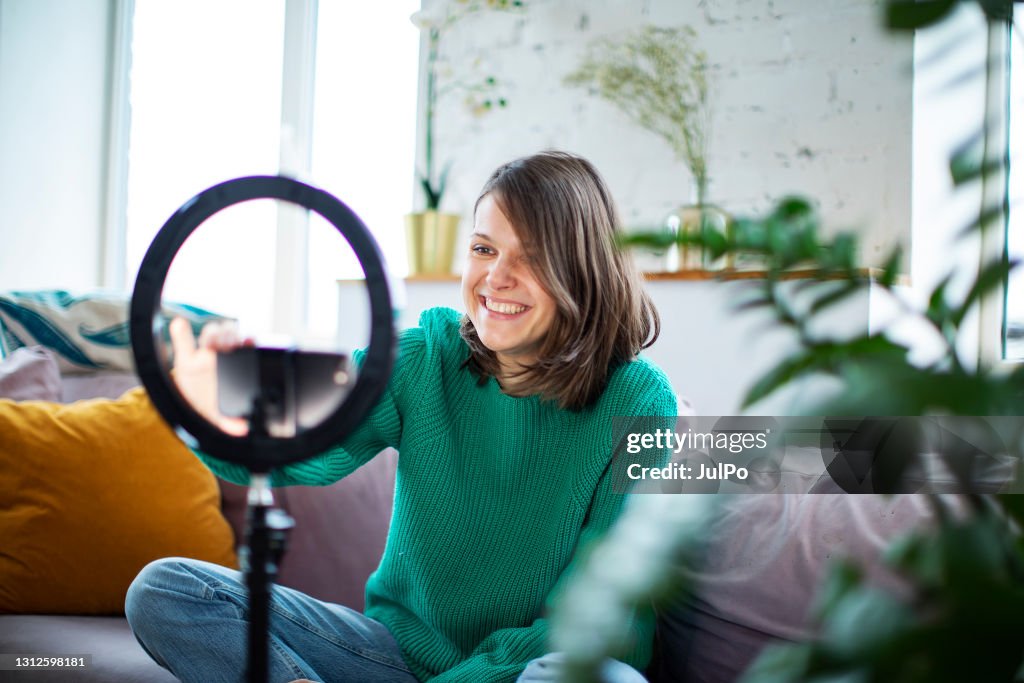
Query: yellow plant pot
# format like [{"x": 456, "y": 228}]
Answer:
[{"x": 430, "y": 240}]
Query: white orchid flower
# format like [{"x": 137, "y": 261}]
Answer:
[{"x": 427, "y": 18}]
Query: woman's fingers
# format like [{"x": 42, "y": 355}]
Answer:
[
  {"x": 196, "y": 368},
  {"x": 183, "y": 342},
  {"x": 220, "y": 336},
  {"x": 234, "y": 426}
]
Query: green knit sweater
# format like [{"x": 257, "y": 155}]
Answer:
[{"x": 493, "y": 496}]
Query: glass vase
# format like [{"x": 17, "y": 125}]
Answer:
[{"x": 696, "y": 218}]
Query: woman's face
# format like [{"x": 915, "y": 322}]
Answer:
[{"x": 509, "y": 309}]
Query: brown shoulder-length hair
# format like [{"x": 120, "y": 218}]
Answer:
[{"x": 563, "y": 214}]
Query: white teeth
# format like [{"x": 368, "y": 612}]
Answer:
[{"x": 508, "y": 309}]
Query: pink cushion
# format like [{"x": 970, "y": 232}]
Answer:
[
  {"x": 97, "y": 385},
  {"x": 765, "y": 562},
  {"x": 30, "y": 374}
]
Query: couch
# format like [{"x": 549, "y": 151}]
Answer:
[
  {"x": 335, "y": 545},
  {"x": 755, "y": 584}
]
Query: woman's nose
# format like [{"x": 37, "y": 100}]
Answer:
[{"x": 500, "y": 274}]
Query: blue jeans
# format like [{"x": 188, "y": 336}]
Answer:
[
  {"x": 549, "y": 668},
  {"x": 191, "y": 617}
]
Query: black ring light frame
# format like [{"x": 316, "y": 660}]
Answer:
[{"x": 260, "y": 453}]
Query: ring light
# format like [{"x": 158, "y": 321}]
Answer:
[
  {"x": 258, "y": 450},
  {"x": 245, "y": 373}
]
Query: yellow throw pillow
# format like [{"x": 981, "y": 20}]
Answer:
[{"x": 89, "y": 493}]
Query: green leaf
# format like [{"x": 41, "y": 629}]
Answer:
[
  {"x": 902, "y": 446},
  {"x": 843, "y": 578},
  {"x": 432, "y": 197},
  {"x": 992, "y": 275},
  {"x": 653, "y": 239},
  {"x": 906, "y": 15},
  {"x": 782, "y": 374},
  {"x": 874, "y": 345},
  {"x": 865, "y": 623},
  {"x": 891, "y": 269},
  {"x": 836, "y": 295},
  {"x": 780, "y": 664},
  {"x": 916, "y": 555},
  {"x": 938, "y": 311},
  {"x": 793, "y": 208},
  {"x": 748, "y": 234},
  {"x": 442, "y": 183},
  {"x": 967, "y": 162},
  {"x": 842, "y": 254},
  {"x": 974, "y": 556},
  {"x": 992, "y": 214},
  {"x": 714, "y": 241},
  {"x": 1013, "y": 505},
  {"x": 998, "y": 10},
  {"x": 750, "y": 304}
]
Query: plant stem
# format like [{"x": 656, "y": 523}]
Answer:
[{"x": 433, "y": 49}]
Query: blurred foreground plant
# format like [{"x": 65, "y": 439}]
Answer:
[{"x": 964, "y": 618}]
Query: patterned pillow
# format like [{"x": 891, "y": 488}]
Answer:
[{"x": 87, "y": 332}]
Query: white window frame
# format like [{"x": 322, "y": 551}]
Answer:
[
  {"x": 992, "y": 309},
  {"x": 295, "y": 158},
  {"x": 114, "y": 231}
]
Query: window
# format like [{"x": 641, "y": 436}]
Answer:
[
  {"x": 364, "y": 135},
  {"x": 324, "y": 91},
  {"x": 1013, "y": 348}
]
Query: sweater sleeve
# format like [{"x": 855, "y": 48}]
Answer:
[
  {"x": 382, "y": 428},
  {"x": 504, "y": 654}
]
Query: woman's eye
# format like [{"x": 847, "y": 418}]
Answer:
[{"x": 481, "y": 249}]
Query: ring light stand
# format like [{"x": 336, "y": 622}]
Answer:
[{"x": 270, "y": 383}]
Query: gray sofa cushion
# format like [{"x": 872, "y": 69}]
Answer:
[{"x": 116, "y": 655}]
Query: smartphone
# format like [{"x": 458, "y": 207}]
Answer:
[{"x": 288, "y": 391}]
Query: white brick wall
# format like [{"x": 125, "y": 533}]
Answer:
[{"x": 810, "y": 97}]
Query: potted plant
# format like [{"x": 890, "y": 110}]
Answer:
[
  {"x": 659, "y": 78},
  {"x": 431, "y": 233}
]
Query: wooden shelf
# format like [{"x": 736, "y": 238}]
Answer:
[
  {"x": 448, "y": 277},
  {"x": 689, "y": 275},
  {"x": 731, "y": 274}
]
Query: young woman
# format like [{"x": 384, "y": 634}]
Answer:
[{"x": 502, "y": 419}]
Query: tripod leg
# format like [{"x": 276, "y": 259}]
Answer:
[{"x": 266, "y": 534}]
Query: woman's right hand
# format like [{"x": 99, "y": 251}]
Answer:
[{"x": 195, "y": 369}]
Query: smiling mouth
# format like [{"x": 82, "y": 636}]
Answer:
[{"x": 502, "y": 307}]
